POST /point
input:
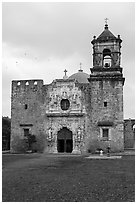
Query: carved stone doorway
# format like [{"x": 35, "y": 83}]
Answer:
[{"x": 64, "y": 140}]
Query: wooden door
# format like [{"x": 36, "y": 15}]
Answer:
[{"x": 64, "y": 140}]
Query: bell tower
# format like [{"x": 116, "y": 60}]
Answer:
[
  {"x": 106, "y": 50},
  {"x": 106, "y": 85}
]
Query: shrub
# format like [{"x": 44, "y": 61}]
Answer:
[
  {"x": 36, "y": 144},
  {"x": 6, "y": 131},
  {"x": 31, "y": 139},
  {"x": 40, "y": 143},
  {"x": 20, "y": 146},
  {"x": 95, "y": 145},
  {"x": 115, "y": 146}
]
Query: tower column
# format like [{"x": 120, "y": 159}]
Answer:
[{"x": 106, "y": 82}]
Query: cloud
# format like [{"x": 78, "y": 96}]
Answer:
[
  {"x": 38, "y": 37},
  {"x": 59, "y": 29}
]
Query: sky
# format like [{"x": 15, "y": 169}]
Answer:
[{"x": 41, "y": 40}]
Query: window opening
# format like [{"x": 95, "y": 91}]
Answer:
[
  {"x": 18, "y": 84},
  {"x": 35, "y": 83},
  {"x": 26, "y": 132},
  {"x": 65, "y": 104},
  {"x": 27, "y": 83},
  {"x": 105, "y": 132},
  {"x": 26, "y": 106},
  {"x": 105, "y": 104}
]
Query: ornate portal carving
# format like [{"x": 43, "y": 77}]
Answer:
[{"x": 64, "y": 98}]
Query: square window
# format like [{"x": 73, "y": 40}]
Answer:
[
  {"x": 26, "y": 132},
  {"x": 105, "y": 104},
  {"x": 105, "y": 133},
  {"x": 26, "y": 106}
]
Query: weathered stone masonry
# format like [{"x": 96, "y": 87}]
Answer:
[
  {"x": 71, "y": 113},
  {"x": 44, "y": 113},
  {"x": 129, "y": 133}
]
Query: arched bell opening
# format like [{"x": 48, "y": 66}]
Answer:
[
  {"x": 107, "y": 60},
  {"x": 64, "y": 140}
]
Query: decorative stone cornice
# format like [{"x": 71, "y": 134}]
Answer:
[
  {"x": 26, "y": 125},
  {"x": 102, "y": 69},
  {"x": 105, "y": 123},
  {"x": 107, "y": 77},
  {"x": 64, "y": 114}
]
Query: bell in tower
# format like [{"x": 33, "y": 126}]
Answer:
[{"x": 106, "y": 49}]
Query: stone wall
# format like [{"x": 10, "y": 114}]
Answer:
[
  {"x": 73, "y": 118},
  {"x": 111, "y": 116},
  {"x": 36, "y": 107},
  {"x": 26, "y": 111},
  {"x": 129, "y": 133},
  {"x": 44, "y": 117}
]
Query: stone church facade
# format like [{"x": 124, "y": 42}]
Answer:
[{"x": 72, "y": 114}]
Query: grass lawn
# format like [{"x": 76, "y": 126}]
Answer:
[{"x": 50, "y": 178}]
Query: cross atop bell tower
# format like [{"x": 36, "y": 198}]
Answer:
[
  {"x": 106, "y": 23},
  {"x": 106, "y": 19},
  {"x": 106, "y": 55}
]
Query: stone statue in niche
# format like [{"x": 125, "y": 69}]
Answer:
[
  {"x": 57, "y": 97},
  {"x": 50, "y": 134},
  {"x": 53, "y": 102},
  {"x": 74, "y": 96},
  {"x": 76, "y": 101},
  {"x": 64, "y": 121},
  {"x": 79, "y": 134},
  {"x": 64, "y": 94}
]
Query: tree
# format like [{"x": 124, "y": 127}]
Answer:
[
  {"x": 30, "y": 140},
  {"x": 6, "y": 132}
]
